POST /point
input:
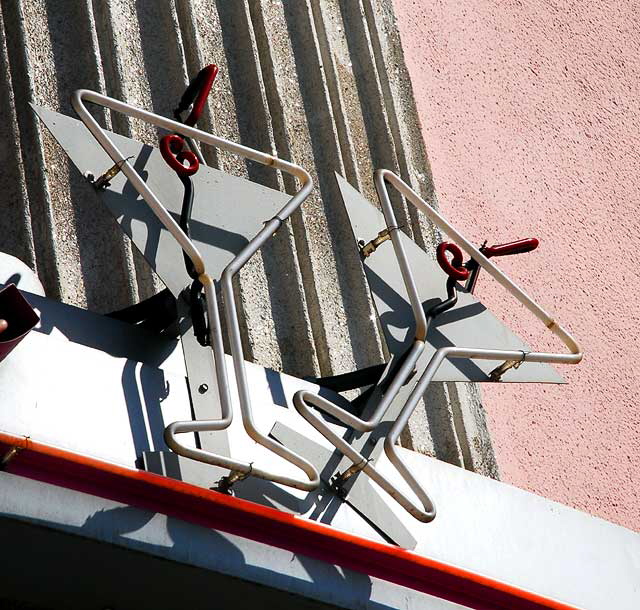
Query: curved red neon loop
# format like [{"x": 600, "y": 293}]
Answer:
[
  {"x": 171, "y": 143},
  {"x": 454, "y": 267},
  {"x": 199, "y": 90}
]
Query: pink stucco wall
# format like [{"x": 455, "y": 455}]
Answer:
[{"x": 531, "y": 120}]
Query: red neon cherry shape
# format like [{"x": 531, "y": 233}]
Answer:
[
  {"x": 453, "y": 268},
  {"x": 168, "y": 147}
]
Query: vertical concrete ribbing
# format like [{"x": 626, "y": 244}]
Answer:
[
  {"x": 381, "y": 143},
  {"x": 286, "y": 288},
  {"x": 329, "y": 30},
  {"x": 339, "y": 287},
  {"x": 15, "y": 221},
  {"x": 33, "y": 157},
  {"x": 402, "y": 116},
  {"x": 126, "y": 79},
  {"x": 91, "y": 236},
  {"x": 255, "y": 288}
]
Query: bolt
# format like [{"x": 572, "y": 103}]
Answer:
[{"x": 203, "y": 388}]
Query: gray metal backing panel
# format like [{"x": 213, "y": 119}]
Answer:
[
  {"x": 468, "y": 324},
  {"x": 227, "y": 210},
  {"x": 361, "y": 494}
]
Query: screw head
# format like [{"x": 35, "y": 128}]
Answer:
[{"x": 203, "y": 388}]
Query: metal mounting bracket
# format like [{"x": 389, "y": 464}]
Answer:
[{"x": 369, "y": 248}]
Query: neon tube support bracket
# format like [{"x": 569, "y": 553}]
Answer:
[{"x": 370, "y": 247}]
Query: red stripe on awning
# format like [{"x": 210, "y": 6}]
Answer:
[{"x": 263, "y": 524}]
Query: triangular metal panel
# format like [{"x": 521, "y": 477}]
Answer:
[
  {"x": 468, "y": 324},
  {"x": 227, "y": 210}
]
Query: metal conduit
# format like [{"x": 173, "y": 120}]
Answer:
[
  {"x": 303, "y": 400},
  {"x": 189, "y": 248}
]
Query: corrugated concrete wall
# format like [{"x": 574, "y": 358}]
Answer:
[{"x": 322, "y": 83}]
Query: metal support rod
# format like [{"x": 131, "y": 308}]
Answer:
[
  {"x": 193, "y": 146},
  {"x": 313, "y": 479},
  {"x": 408, "y": 365}
]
